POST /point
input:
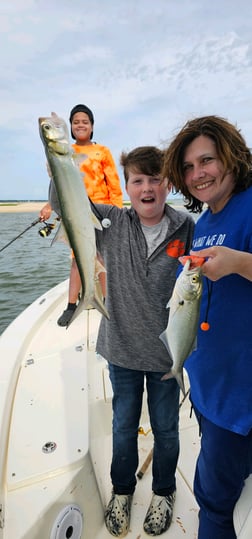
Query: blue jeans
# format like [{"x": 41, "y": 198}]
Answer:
[
  {"x": 163, "y": 406},
  {"x": 223, "y": 464}
]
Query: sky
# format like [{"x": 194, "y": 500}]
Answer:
[{"x": 144, "y": 67}]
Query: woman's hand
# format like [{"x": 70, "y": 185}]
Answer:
[{"x": 223, "y": 261}]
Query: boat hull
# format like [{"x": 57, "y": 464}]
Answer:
[{"x": 55, "y": 429}]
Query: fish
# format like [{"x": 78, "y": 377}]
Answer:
[
  {"x": 78, "y": 220},
  {"x": 180, "y": 335}
]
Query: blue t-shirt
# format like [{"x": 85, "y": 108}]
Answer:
[{"x": 220, "y": 369}]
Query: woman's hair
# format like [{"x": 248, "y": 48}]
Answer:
[
  {"x": 147, "y": 160},
  {"x": 231, "y": 150}
]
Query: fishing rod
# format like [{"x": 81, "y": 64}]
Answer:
[
  {"x": 105, "y": 222},
  {"x": 21, "y": 234},
  {"x": 45, "y": 231}
]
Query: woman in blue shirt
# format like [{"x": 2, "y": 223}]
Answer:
[{"x": 209, "y": 163}]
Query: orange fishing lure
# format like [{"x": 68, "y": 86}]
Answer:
[{"x": 196, "y": 261}]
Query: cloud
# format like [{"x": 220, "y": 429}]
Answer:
[{"x": 144, "y": 68}]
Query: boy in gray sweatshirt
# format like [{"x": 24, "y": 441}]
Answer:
[{"x": 140, "y": 251}]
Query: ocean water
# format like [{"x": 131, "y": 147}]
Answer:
[{"x": 29, "y": 266}]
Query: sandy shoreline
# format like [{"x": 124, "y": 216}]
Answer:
[
  {"x": 35, "y": 207},
  {"x": 21, "y": 207}
]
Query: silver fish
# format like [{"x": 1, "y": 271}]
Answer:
[
  {"x": 180, "y": 335},
  {"x": 78, "y": 220}
]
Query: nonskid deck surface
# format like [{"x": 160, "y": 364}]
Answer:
[
  {"x": 61, "y": 395},
  {"x": 185, "y": 519}
]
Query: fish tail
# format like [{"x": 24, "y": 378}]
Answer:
[
  {"x": 179, "y": 377},
  {"x": 96, "y": 302}
]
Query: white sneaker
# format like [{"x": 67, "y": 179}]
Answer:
[
  {"x": 159, "y": 515},
  {"x": 117, "y": 514}
]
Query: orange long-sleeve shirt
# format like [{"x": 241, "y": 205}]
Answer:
[{"x": 99, "y": 174}]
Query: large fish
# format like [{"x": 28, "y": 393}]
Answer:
[
  {"x": 78, "y": 220},
  {"x": 180, "y": 335}
]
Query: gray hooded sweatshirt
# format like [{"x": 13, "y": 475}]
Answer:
[{"x": 139, "y": 287}]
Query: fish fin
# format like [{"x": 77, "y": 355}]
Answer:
[
  {"x": 100, "y": 287},
  {"x": 60, "y": 235},
  {"x": 96, "y": 221},
  {"x": 167, "y": 376},
  {"x": 179, "y": 377},
  {"x": 179, "y": 303},
  {"x": 100, "y": 276},
  {"x": 163, "y": 338},
  {"x": 99, "y": 266},
  {"x": 168, "y": 304}
]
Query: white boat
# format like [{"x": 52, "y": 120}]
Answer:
[{"x": 55, "y": 421}]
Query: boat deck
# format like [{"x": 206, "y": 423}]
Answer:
[
  {"x": 185, "y": 519},
  {"x": 55, "y": 420}
]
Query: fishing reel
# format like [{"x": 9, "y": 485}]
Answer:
[{"x": 46, "y": 230}]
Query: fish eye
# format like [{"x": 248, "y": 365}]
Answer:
[{"x": 194, "y": 279}]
